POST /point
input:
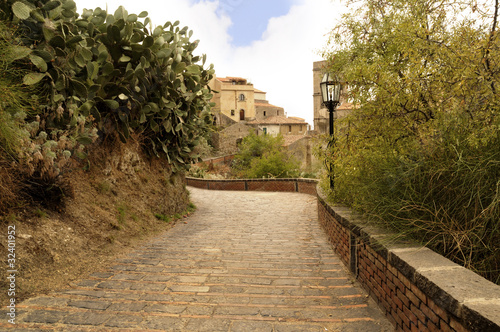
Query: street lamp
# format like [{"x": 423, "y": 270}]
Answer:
[{"x": 330, "y": 92}]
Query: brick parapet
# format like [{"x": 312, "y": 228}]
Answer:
[
  {"x": 418, "y": 289},
  {"x": 305, "y": 186}
]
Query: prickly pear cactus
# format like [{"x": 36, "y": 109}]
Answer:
[{"x": 116, "y": 73}]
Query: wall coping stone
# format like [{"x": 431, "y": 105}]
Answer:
[
  {"x": 256, "y": 180},
  {"x": 471, "y": 298}
]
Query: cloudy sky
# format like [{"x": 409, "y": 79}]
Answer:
[{"x": 272, "y": 43}]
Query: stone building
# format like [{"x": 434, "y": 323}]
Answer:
[
  {"x": 274, "y": 125},
  {"x": 234, "y": 100},
  {"x": 263, "y": 109},
  {"x": 321, "y": 116},
  {"x": 240, "y": 108}
]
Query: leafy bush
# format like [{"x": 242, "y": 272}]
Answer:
[
  {"x": 421, "y": 151},
  {"x": 264, "y": 157}
]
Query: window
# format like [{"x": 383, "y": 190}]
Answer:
[
  {"x": 232, "y": 112},
  {"x": 264, "y": 130},
  {"x": 264, "y": 113},
  {"x": 289, "y": 129},
  {"x": 278, "y": 112},
  {"x": 242, "y": 97},
  {"x": 300, "y": 128}
]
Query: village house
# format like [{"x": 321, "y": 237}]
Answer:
[{"x": 240, "y": 108}]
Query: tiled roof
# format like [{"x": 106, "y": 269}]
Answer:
[
  {"x": 278, "y": 120},
  {"x": 266, "y": 105},
  {"x": 231, "y": 79}
]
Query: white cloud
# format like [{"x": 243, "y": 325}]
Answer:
[{"x": 280, "y": 63}]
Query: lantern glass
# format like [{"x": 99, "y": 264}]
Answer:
[{"x": 330, "y": 89}]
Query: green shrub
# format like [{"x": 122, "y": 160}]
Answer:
[
  {"x": 264, "y": 157},
  {"x": 420, "y": 153}
]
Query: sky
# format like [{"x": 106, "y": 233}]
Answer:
[{"x": 272, "y": 43}]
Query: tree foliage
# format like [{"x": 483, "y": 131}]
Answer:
[
  {"x": 421, "y": 150},
  {"x": 264, "y": 157}
]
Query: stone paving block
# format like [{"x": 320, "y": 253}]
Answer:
[
  {"x": 193, "y": 289},
  {"x": 114, "y": 285},
  {"x": 46, "y": 301},
  {"x": 127, "y": 276},
  {"x": 238, "y": 311},
  {"x": 148, "y": 287},
  {"x": 245, "y": 326},
  {"x": 208, "y": 325},
  {"x": 86, "y": 293},
  {"x": 86, "y": 318},
  {"x": 190, "y": 279},
  {"x": 133, "y": 307},
  {"x": 164, "y": 323},
  {"x": 116, "y": 295},
  {"x": 302, "y": 327},
  {"x": 165, "y": 308},
  {"x": 94, "y": 305},
  {"x": 44, "y": 316},
  {"x": 157, "y": 278},
  {"x": 123, "y": 321},
  {"x": 102, "y": 275}
]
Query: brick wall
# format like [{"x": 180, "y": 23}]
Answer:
[
  {"x": 417, "y": 289},
  {"x": 305, "y": 186}
]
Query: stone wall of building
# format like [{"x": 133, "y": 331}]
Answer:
[{"x": 226, "y": 141}]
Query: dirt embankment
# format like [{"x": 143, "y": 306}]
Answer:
[{"x": 112, "y": 202}]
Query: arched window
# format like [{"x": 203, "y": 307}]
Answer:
[
  {"x": 242, "y": 97},
  {"x": 242, "y": 115}
]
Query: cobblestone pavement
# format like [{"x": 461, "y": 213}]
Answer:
[{"x": 244, "y": 261}]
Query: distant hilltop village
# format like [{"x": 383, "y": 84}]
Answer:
[{"x": 239, "y": 108}]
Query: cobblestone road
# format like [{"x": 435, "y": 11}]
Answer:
[{"x": 245, "y": 261}]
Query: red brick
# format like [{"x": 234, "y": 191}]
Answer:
[
  {"x": 417, "y": 312},
  {"x": 385, "y": 304},
  {"x": 382, "y": 275},
  {"x": 399, "y": 284},
  {"x": 379, "y": 263},
  {"x": 392, "y": 270},
  {"x": 431, "y": 316},
  {"x": 444, "y": 327},
  {"x": 457, "y": 326},
  {"x": 404, "y": 318},
  {"x": 397, "y": 319},
  {"x": 431, "y": 327},
  {"x": 397, "y": 302},
  {"x": 438, "y": 311},
  {"x": 412, "y": 297},
  {"x": 404, "y": 280},
  {"x": 419, "y": 293},
  {"x": 403, "y": 298},
  {"x": 410, "y": 314}
]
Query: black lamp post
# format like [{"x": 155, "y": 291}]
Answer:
[{"x": 330, "y": 92}]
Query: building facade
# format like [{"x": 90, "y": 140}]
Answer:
[{"x": 234, "y": 100}]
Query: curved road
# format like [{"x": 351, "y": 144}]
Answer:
[{"x": 244, "y": 261}]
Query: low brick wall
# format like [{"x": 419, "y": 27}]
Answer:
[
  {"x": 418, "y": 289},
  {"x": 305, "y": 186}
]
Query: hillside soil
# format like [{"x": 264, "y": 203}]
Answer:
[{"x": 112, "y": 202}]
